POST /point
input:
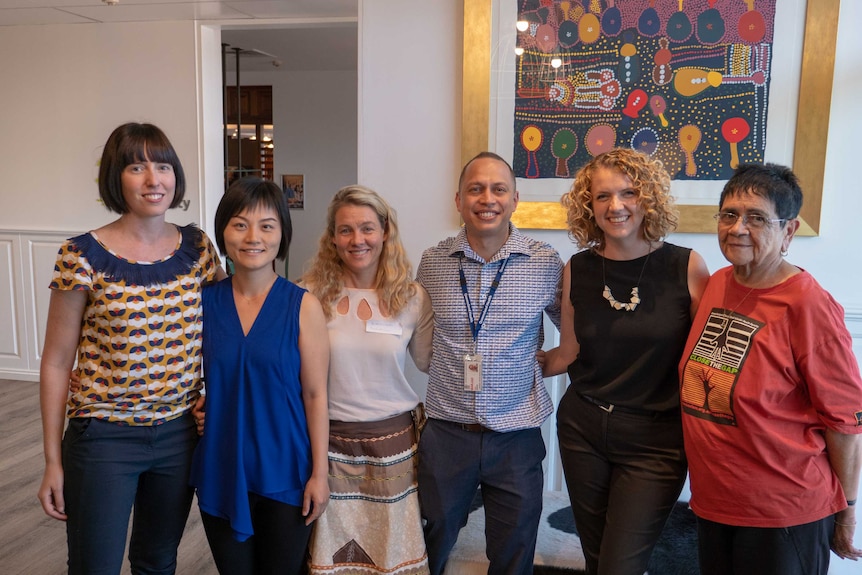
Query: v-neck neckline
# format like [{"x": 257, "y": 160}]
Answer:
[{"x": 246, "y": 334}]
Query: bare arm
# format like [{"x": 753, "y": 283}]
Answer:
[
  {"x": 420, "y": 343},
  {"x": 554, "y": 310},
  {"x": 199, "y": 408},
  {"x": 558, "y": 359},
  {"x": 220, "y": 274},
  {"x": 698, "y": 275},
  {"x": 845, "y": 457},
  {"x": 314, "y": 371},
  {"x": 62, "y": 335}
]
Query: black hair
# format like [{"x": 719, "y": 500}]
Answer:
[
  {"x": 248, "y": 193},
  {"x": 773, "y": 182},
  {"x": 485, "y": 155}
]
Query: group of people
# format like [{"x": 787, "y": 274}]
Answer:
[{"x": 316, "y": 453}]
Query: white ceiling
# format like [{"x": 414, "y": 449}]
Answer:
[
  {"x": 310, "y": 34},
  {"x": 26, "y": 12},
  {"x": 319, "y": 48}
]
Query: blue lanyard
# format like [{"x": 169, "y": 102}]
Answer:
[{"x": 476, "y": 325}]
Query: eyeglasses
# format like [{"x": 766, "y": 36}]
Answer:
[{"x": 752, "y": 221}]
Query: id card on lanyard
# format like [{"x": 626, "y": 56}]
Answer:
[{"x": 473, "y": 360}]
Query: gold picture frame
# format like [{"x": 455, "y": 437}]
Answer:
[{"x": 812, "y": 119}]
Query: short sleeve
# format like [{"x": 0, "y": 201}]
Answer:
[
  {"x": 72, "y": 271},
  {"x": 824, "y": 355},
  {"x": 834, "y": 384},
  {"x": 554, "y": 309},
  {"x": 209, "y": 259}
]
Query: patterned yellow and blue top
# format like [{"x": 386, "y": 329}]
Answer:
[{"x": 139, "y": 358}]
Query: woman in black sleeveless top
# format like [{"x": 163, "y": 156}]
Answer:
[{"x": 628, "y": 302}]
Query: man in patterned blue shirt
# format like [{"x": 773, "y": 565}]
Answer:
[{"x": 486, "y": 399}]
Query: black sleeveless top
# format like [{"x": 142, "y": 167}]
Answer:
[{"x": 627, "y": 358}]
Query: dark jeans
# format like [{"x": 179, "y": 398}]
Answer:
[
  {"x": 624, "y": 472},
  {"x": 110, "y": 468},
  {"x": 453, "y": 463},
  {"x": 798, "y": 550},
  {"x": 278, "y": 545}
]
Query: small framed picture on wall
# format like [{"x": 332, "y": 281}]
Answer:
[{"x": 294, "y": 190}]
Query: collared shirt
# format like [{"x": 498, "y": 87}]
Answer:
[{"x": 513, "y": 392}]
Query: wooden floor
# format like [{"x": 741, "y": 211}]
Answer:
[{"x": 32, "y": 543}]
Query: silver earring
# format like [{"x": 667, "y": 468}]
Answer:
[{"x": 784, "y": 253}]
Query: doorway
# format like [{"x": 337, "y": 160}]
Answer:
[{"x": 311, "y": 70}]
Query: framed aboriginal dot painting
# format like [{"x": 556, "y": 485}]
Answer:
[{"x": 702, "y": 85}]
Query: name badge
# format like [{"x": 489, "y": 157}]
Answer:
[
  {"x": 473, "y": 372},
  {"x": 383, "y": 326}
]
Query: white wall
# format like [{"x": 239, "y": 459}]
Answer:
[
  {"x": 64, "y": 89},
  {"x": 410, "y": 107},
  {"x": 409, "y": 117}
]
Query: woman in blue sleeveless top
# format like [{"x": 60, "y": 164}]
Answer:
[{"x": 260, "y": 468}]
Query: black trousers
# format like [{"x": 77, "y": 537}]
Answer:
[
  {"x": 624, "y": 473},
  {"x": 798, "y": 550},
  {"x": 278, "y": 546}
]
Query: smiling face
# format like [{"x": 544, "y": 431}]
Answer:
[
  {"x": 487, "y": 198},
  {"x": 616, "y": 207},
  {"x": 754, "y": 249},
  {"x": 148, "y": 188},
  {"x": 358, "y": 238},
  {"x": 252, "y": 238}
]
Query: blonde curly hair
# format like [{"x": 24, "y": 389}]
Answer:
[
  {"x": 394, "y": 281},
  {"x": 649, "y": 179}
]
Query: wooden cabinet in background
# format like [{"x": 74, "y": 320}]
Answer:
[{"x": 255, "y": 104}]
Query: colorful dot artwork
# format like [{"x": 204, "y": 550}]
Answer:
[{"x": 685, "y": 81}]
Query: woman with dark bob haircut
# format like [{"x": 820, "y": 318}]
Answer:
[
  {"x": 126, "y": 303},
  {"x": 250, "y": 193},
  {"x": 131, "y": 143},
  {"x": 261, "y": 466}
]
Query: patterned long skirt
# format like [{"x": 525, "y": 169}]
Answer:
[{"x": 372, "y": 525}]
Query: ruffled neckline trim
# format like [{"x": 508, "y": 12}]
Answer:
[{"x": 115, "y": 268}]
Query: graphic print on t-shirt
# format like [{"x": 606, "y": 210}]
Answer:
[{"x": 712, "y": 370}]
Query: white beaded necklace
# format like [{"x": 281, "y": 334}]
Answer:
[{"x": 635, "y": 299}]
